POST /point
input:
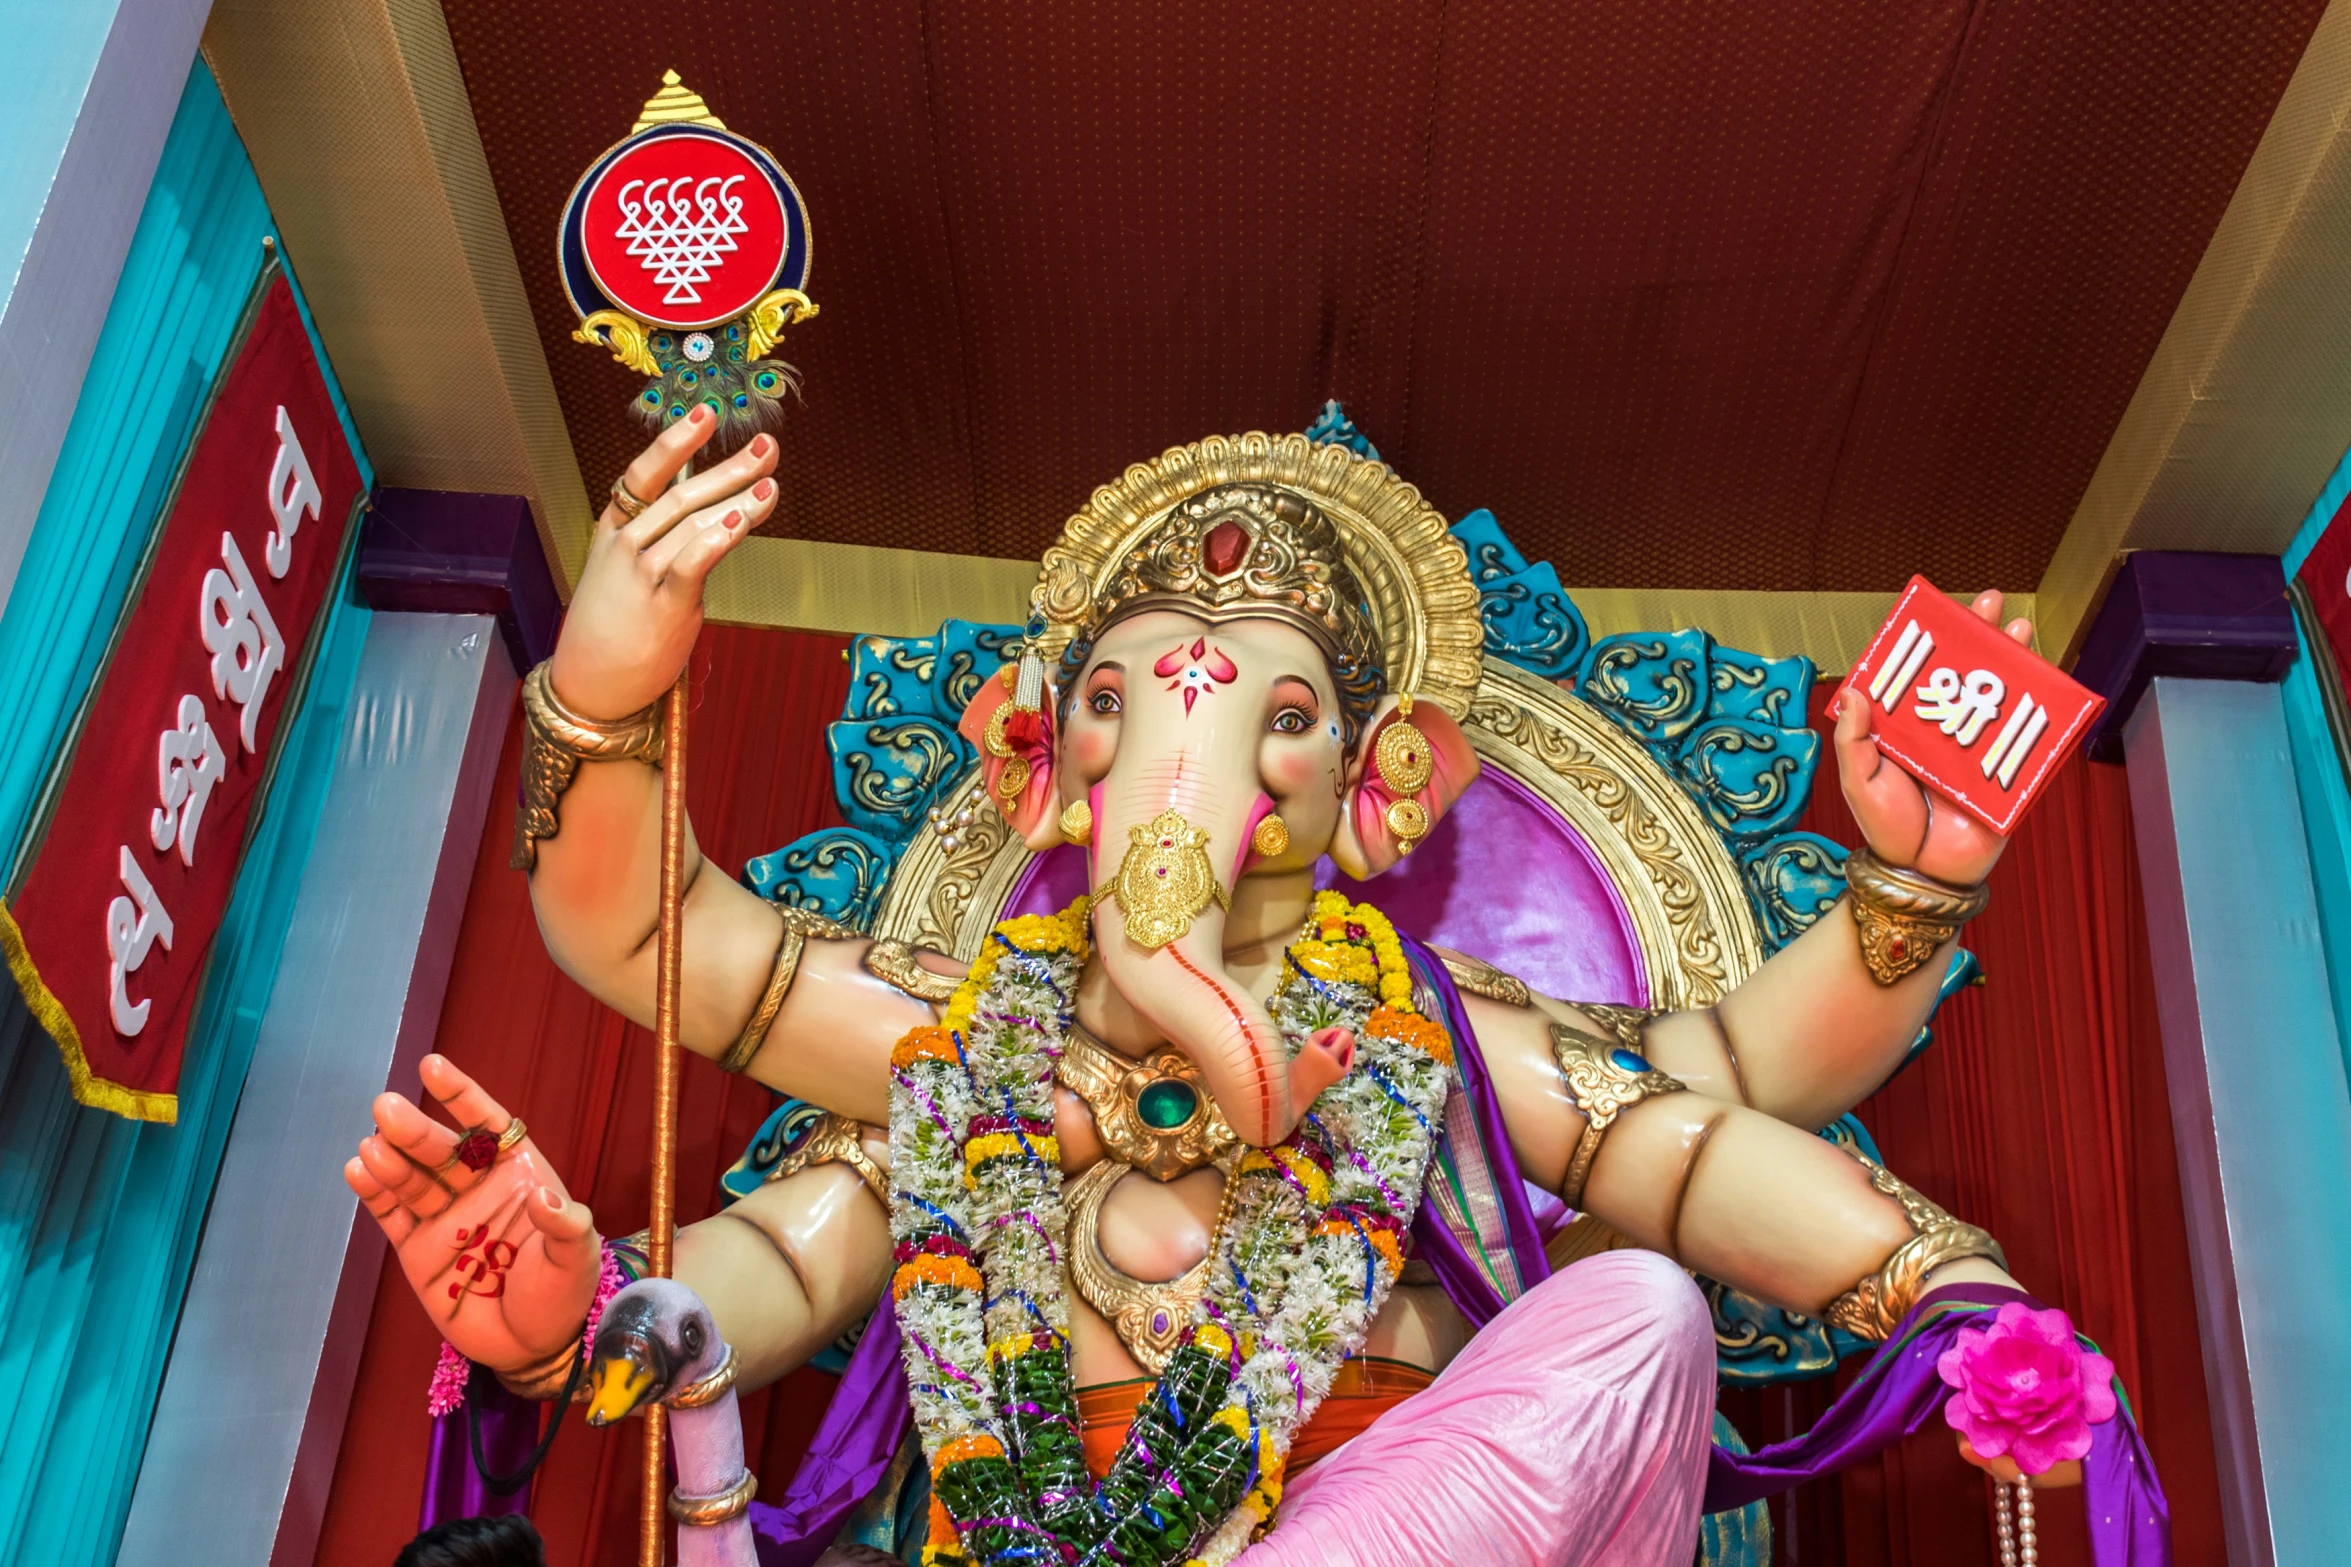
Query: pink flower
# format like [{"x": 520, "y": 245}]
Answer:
[
  {"x": 2026, "y": 1388},
  {"x": 450, "y": 1372}
]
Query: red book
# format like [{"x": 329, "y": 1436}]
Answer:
[{"x": 1964, "y": 708}]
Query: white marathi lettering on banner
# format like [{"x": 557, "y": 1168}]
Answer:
[
  {"x": 134, "y": 924},
  {"x": 293, "y": 496},
  {"x": 188, "y": 762},
  {"x": 247, "y": 649}
]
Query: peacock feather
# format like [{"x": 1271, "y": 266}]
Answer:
[
  {"x": 714, "y": 369},
  {"x": 726, "y": 368}
]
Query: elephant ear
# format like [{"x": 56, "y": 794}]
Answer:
[
  {"x": 1035, "y": 810},
  {"x": 1364, "y": 846}
]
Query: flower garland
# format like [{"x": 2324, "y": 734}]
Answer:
[{"x": 1313, "y": 1239}]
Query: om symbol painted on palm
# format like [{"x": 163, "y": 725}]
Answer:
[
  {"x": 484, "y": 1275},
  {"x": 1195, "y": 671}
]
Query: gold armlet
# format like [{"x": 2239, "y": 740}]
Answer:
[
  {"x": 835, "y": 1139},
  {"x": 1480, "y": 978},
  {"x": 705, "y": 1512},
  {"x": 544, "y": 1379},
  {"x": 555, "y": 741},
  {"x": 1605, "y": 1080},
  {"x": 799, "y": 925},
  {"x": 1904, "y": 916},
  {"x": 892, "y": 962},
  {"x": 1873, "y": 1308}
]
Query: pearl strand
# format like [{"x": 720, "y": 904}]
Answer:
[
  {"x": 2028, "y": 1553},
  {"x": 2002, "y": 1523}
]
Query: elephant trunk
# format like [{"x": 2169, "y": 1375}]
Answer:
[{"x": 1171, "y": 839}]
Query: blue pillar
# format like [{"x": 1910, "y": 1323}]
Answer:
[
  {"x": 93, "y": 85},
  {"x": 2188, "y": 649}
]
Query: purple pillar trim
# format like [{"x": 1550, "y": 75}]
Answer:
[
  {"x": 2194, "y": 613},
  {"x": 448, "y": 552}
]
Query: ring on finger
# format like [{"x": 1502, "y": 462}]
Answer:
[
  {"x": 478, "y": 1148},
  {"x": 630, "y": 507}
]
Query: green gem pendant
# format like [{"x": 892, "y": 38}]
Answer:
[{"x": 1167, "y": 1104}]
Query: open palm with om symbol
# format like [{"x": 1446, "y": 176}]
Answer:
[{"x": 504, "y": 1260}]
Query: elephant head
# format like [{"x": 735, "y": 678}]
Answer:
[{"x": 1230, "y": 674}]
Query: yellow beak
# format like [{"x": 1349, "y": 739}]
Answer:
[{"x": 616, "y": 1386}]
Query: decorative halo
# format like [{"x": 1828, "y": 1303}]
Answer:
[
  {"x": 682, "y": 225},
  {"x": 1413, "y": 571}
]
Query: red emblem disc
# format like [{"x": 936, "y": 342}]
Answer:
[
  {"x": 683, "y": 230},
  {"x": 477, "y": 1150}
]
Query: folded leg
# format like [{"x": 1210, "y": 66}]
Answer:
[{"x": 1571, "y": 1433}]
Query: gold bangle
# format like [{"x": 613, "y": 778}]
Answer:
[
  {"x": 704, "y": 1512},
  {"x": 556, "y": 740},
  {"x": 1875, "y": 1306},
  {"x": 711, "y": 1388},
  {"x": 892, "y": 962},
  {"x": 835, "y": 1139},
  {"x": 1903, "y": 916},
  {"x": 1605, "y": 1080},
  {"x": 543, "y": 1380}
]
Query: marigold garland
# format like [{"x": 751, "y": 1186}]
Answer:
[{"x": 1317, "y": 1239}]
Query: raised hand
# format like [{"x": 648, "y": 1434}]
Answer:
[
  {"x": 504, "y": 1261},
  {"x": 638, "y": 606},
  {"x": 1906, "y": 822}
]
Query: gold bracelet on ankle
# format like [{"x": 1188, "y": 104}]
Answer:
[
  {"x": 1875, "y": 1306},
  {"x": 1903, "y": 916},
  {"x": 555, "y": 741}
]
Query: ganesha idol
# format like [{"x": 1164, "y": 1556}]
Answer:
[{"x": 1199, "y": 1211}]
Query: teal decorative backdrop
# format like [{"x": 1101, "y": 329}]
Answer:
[{"x": 99, "y": 1217}]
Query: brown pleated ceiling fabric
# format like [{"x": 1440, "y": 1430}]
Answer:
[{"x": 1790, "y": 295}]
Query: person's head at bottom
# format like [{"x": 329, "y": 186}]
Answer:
[{"x": 475, "y": 1542}]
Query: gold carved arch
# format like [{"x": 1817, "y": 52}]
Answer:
[{"x": 1697, "y": 934}]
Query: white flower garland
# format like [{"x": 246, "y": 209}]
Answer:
[{"x": 1315, "y": 1241}]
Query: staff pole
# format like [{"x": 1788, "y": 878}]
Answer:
[{"x": 666, "y": 1063}]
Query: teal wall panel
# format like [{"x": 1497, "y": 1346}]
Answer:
[{"x": 100, "y": 1217}]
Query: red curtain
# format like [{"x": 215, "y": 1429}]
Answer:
[
  {"x": 2040, "y": 1113},
  {"x": 757, "y": 778}
]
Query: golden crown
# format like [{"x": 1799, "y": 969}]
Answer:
[{"x": 1277, "y": 527}]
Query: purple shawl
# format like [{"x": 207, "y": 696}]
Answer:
[{"x": 1893, "y": 1397}]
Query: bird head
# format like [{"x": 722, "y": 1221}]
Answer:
[{"x": 656, "y": 1337}]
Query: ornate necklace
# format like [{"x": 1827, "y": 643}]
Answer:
[
  {"x": 1312, "y": 1238},
  {"x": 1153, "y": 1114},
  {"x": 1150, "y": 1319}
]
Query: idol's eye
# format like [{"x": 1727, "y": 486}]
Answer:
[
  {"x": 1104, "y": 702},
  {"x": 1292, "y": 721}
]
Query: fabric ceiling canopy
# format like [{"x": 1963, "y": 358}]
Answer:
[{"x": 1791, "y": 295}]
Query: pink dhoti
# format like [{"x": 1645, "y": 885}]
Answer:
[{"x": 1572, "y": 1432}]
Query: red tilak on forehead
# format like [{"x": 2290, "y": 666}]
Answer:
[{"x": 1182, "y": 667}]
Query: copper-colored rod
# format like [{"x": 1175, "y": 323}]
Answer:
[{"x": 666, "y": 1063}]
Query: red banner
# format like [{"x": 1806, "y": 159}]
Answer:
[
  {"x": 116, "y": 911},
  {"x": 2326, "y": 580}
]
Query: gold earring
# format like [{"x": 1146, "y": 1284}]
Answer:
[
  {"x": 1405, "y": 763},
  {"x": 1077, "y": 822},
  {"x": 1272, "y": 838}
]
